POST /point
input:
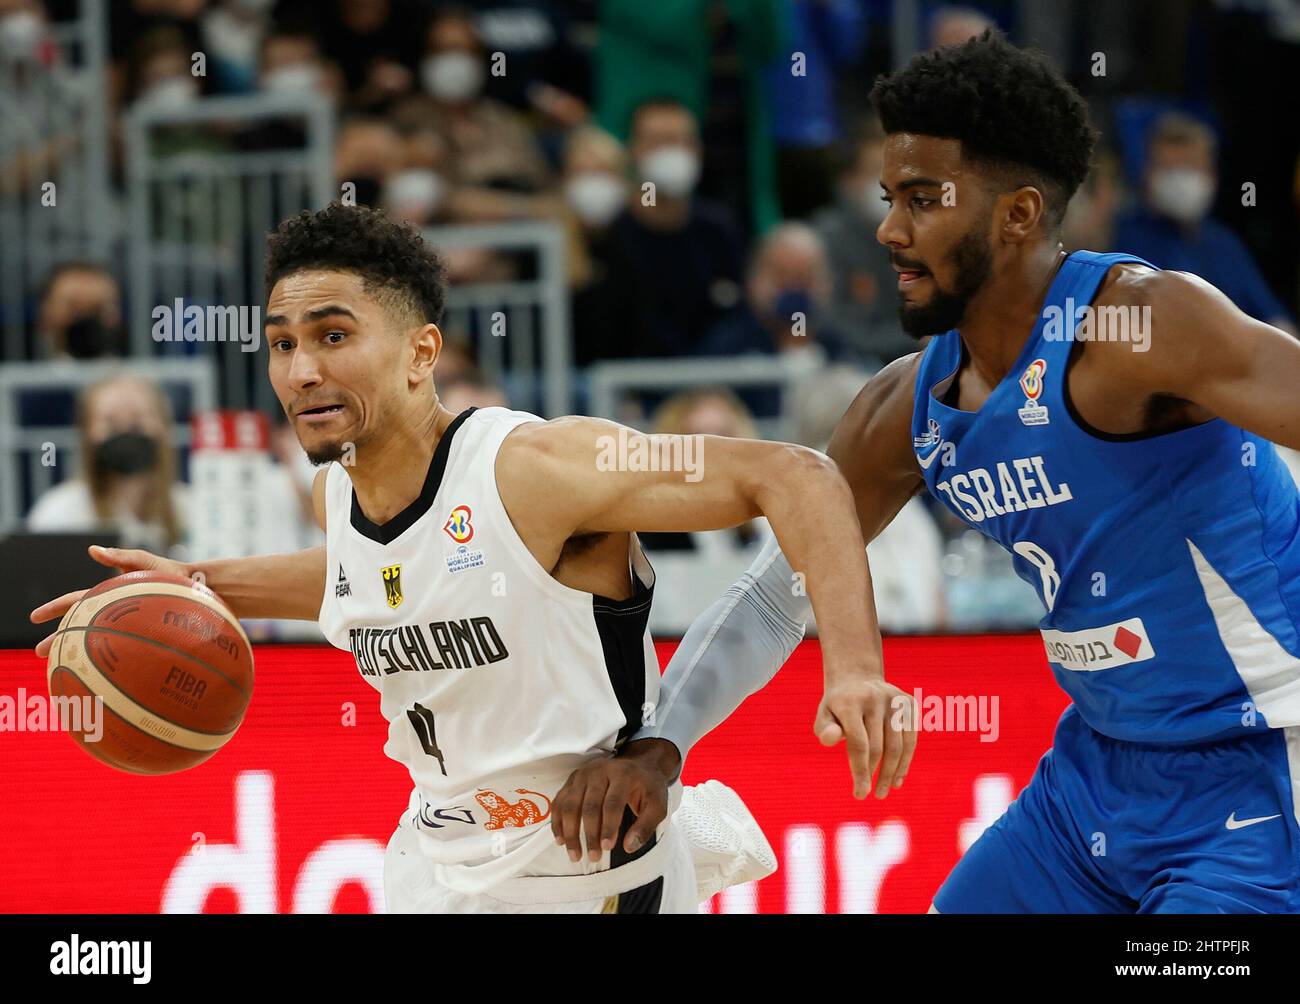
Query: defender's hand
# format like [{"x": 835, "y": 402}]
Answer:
[
  {"x": 123, "y": 560},
  {"x": 598, "y": 792},
  {"x": 878, "y": 722}
]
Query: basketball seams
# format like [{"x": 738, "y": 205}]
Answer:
[
  {"x": 130, "y": 724},
  {"x": 170, "y": 648},
  {"x": 57, "y": 659},
  {"x": 212, "y": 603},
  {"x": 130, "y": 697},
  {"x": 133, "y": 712}
]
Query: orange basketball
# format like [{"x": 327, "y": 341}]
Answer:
[{"x": 171, "y": 663}]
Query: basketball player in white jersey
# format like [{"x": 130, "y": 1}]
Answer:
[{"x": 484, "y": 571}]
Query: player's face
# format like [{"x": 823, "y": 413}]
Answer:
[
  {"x": 335, "y": 362},
  {"x": 937, "y": 230}
]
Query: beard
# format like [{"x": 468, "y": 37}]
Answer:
[
  {"x": 326, "y": 453},
  {"x": 342, "y": 449},
  {"x": 973, "y": 260}
]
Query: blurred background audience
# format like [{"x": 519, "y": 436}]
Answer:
[{"x": 710, "y": 167}]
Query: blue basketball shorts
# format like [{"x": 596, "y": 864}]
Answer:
[{"x": 1107, "y": 826}]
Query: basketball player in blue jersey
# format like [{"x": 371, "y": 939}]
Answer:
[{"x": 1130, "y": 473}]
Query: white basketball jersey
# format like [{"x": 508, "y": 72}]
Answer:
[{"x": 495, "y": 679}]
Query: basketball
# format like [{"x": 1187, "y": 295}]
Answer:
[{"x": 170, "y": 663}]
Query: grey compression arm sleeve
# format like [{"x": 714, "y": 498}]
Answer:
[{"x": 731, "y": 651}]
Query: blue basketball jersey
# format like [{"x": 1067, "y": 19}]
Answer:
[{"x": 1169, "y": 565}]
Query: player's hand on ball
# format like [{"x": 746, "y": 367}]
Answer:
[
  {"x": 596, "y": 795},
  {"x": 124, "y": 560},
  {"x": 877, "y": 721}
]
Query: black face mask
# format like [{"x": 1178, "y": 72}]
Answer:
[
  {"x": 89, "y": 338},
  {"x": 127, "y": 453}
]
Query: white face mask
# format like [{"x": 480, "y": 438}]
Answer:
[
  {"x": 1183, "y": 193},
  {"x": 596, "y": 196},
  {"x": 672, "y": 169},
  {"x": 20, "y": 32},
  {"x": 300, "y": 78},
  {"x": 170, "y": 92},
  {"x": 452, "y": 76},
  {"x": 417, "y": 192}
]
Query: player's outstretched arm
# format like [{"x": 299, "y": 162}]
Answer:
[
  {"x": 739, "y": 643},
  {"x": 576, "y": 476},
  {"x": 281, "y": 586}
]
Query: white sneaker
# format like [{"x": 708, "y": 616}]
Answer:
[{"x": 727, "y": 844}]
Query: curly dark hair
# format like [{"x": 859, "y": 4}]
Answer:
[
  {"x": 1009, "y": 108},
  {"x": 390, "y": 257}
]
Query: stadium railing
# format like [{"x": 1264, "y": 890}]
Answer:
[
  {"x": 54, "y": 191},
  {"x": 520, "y": 329},
  {"x": 199, "y": 210},
  {"x": 610, "y": 385}
]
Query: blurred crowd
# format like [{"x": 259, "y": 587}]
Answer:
[{"x": 714, "y": 167}]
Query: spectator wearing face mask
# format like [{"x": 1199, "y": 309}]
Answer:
[
  {"x": 419, "y": 191},
  {"x": 863, "y": 303},
  {"x": 130, "y": 21},
  {"x": 595, "y": 179},
  {"x": 500, "y": 171},
  {"x": 1173, "y": 229},
  {"x": 25, "y": 34},
  {"x": 128, "y": 470},
  {"x": 80, "y": 313},
  {"x": 162, "y": 79},
  {"x": 79, "y": 316},
  {"x": 375, "y": 43},
  {"x": 161, "y": 71},
  {"x": 787, "y": 292},
  {"x": 596, "y": 193},
  {"x": 232, "y": 32},
  {"x": 711, "y": 56},
  {"x": 289, "y": 64},
  {"x": 367, "y": 151},
  {"x": 673, "y": 260}
]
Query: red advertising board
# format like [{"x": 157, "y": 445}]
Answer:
[{"x": 294, "y": 814}]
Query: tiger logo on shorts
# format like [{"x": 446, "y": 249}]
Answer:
[{"x": 503, "y": 813}]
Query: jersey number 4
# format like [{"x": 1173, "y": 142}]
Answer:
[{"x": 422, "y": 721}]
